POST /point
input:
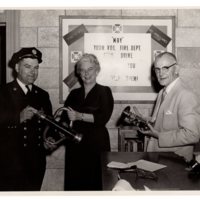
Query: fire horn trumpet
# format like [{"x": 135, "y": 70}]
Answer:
[
  {"x": 133, "y": 119},
  {"x": 63, "y": 131}
]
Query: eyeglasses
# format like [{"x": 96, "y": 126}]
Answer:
[{"x": 164, "y": 69}]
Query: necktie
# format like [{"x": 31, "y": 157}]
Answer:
[
  {"x": 164, "y": 93},
  {"x": 28, "y": 90},
  {"x": 163, "y": 96}
]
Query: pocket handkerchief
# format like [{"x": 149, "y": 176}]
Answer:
[{"x": 168, "y": 112}]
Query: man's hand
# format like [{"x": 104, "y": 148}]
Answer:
[
  {"x": 27, "y": 113},
  {"x": 49, "y": 144},
  {"x": 151, "y": 132}
]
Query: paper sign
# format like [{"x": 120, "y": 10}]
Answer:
[
  {"x": 125, "y": 58},
  {"x": 75, "y": 34},
  {"x": 159, "y": 36}
]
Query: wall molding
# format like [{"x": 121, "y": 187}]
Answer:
[{"x": 12, "y": 19}]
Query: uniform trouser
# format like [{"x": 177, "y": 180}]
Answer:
[{"x": 21, "y": 180}]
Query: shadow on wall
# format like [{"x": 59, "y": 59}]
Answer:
[{"x": 154, "y": 82}]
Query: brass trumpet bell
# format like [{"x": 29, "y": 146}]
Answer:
[{"x": 132, "y": 119}]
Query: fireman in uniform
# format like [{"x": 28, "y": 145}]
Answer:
[{"x": 22, "y": 149}]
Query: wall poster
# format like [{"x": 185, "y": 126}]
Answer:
[{"x": 125, "y": 47}]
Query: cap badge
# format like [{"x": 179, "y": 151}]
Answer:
[{"x": 34, "y": 52}]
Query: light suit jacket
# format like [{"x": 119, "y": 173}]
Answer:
[{"x": 177, "y": 121}]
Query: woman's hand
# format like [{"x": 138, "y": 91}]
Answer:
[
  {"x": 151, "y": 132},
  {"x": 73, "y": 115}
]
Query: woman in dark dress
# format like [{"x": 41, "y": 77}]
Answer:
[{"x": 89, "y": 108}]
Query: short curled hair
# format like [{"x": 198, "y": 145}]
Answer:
[{"x": 87, "y": 58}]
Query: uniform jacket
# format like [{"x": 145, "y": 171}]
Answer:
[
  {"x": 22, "y": 144},
  {"x": 177, "y": 121}
]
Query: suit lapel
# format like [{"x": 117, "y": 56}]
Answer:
[
  {"x": 34, "y": 89},
  {"x": 169, "y": 101},
  {"x": 17, "y": 89},
  {"x": 165, "y": 104},
  {"x": 17, "y": 96}
]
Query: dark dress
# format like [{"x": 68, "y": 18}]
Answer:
[
  {"x": 22, "y": 154},
  {"x": 82, "y": 166}
]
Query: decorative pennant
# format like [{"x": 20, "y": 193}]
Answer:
[
  {"x": 159, "y": 36},
  {"x": 71, "y": 80},
  {"x": 75, "y": 34}
]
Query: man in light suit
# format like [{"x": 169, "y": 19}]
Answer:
[{"x": 175, "y": 116}]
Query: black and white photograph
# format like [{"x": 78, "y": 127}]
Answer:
[{"x": 99, "y": 100}]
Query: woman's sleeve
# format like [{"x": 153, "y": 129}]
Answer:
[{"x": 103, "y": 114}]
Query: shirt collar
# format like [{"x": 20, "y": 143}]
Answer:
[
  {"x": 23, "y": 86},
  {"x": 171, "y": 85}
]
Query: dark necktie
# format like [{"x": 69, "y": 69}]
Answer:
[{"x": 29, "y": 91}]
